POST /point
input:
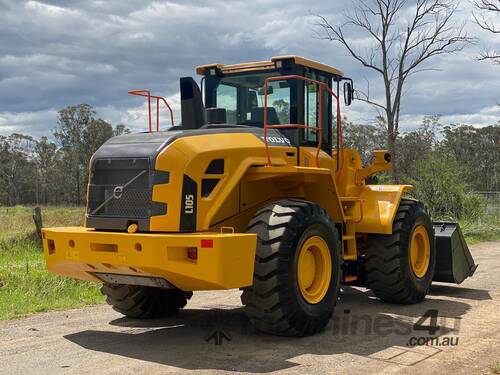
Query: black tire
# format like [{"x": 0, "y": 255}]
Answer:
[
  {"x": 387, "y": 263},
  {"x": 144, "y": 302},
  {"x": 274, "y": 303}
]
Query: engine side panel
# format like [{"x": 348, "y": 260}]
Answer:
[{"x": 217, "y": 192}]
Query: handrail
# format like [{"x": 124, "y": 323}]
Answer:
[
  {"x": 147, "y": 94},
  {"x": 361, "y": 202},
  {"x": 319, "y": 128}
]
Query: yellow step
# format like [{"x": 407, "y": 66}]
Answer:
[
  {"x": 350, "y": 257},
  {"x": 347, "y": 237}
]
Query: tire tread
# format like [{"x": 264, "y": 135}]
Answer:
[
  {"x": 268, "y": 302},
  {"x": 385, "y": 256},
  {"x": 144, "y": 302}
]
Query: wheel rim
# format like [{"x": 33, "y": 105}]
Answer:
[
  {"x": 314, "y": 269},
  {"x": 420, "y": 251}
]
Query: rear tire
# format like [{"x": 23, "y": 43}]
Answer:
[
  {"x": 143, "y": 302},
  {"x": 293, "y": 294},
  {"x": 392, "y": 272}
]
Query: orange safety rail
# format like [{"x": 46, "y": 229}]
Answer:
[
  {"x": 319, "y": 128},
  {"x": 147, "y": 94}
]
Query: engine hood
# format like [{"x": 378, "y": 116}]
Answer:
[{"x": 151, "y": 144}]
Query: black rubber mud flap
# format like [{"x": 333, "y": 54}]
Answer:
[{"x": 454, "y": 261}]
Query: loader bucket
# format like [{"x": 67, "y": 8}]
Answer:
[{"x": 454, "y": 261}]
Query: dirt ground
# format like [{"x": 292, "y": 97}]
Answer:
[{"x": 212, "y": 335}]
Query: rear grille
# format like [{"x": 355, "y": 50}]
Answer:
[{"x": 120, "y": 188}]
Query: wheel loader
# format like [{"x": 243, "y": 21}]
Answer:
[{"x": 253, "y": 189}]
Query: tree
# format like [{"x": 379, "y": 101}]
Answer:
[
  {"x": 440, "y": 184},
  {"x": 16, "y": 167},
  {"x": 45, "y": 160},
  {"x": 398, "y": 45},
  {"x": 41, "y": 171},
  {"x": 94, "y": 135},
  {"x": 364, "y": 138},
  {"x": 478, "y": 149},
  {"x": 80, "y": 134},
  {"x": 71, "y": 124},
  {"x": 485, "y": 8},
  {"x": 415, "y": 146}
]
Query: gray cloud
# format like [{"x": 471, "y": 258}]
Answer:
[{"x": 58, "y": 53}]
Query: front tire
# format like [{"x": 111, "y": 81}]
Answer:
[
  {"x": 297, "y": 269},
  {"x": 400, "y": 267},
  {"x": 144, "y": 302}
]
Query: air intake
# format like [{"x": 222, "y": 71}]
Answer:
[
  {"x": 216, "y": 166},
  {"x": 207, "y": 186},
  {"x": 192, "y": 108}
]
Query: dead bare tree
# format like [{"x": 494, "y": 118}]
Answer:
[
  {"x": 402, "y": 36},
  {"x": 487, "y": 10}
]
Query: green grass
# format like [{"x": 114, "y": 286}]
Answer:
[
  {"x": 25, "y": 285},
  {"x": 494, "y": 369},
  {"x": 483, "y": 229},
  {"x": 16, "y": 223}
]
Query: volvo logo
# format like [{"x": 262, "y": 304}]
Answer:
[
  {"x": 277, "y": 140},
  {"x": 117, "y": 192}
]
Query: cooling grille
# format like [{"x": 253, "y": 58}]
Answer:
[{"x": 120, "y": 188}]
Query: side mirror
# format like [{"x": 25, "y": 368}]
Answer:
[
  {"x": 348, "y": 93},
  {"x": 270, "y": 90}
]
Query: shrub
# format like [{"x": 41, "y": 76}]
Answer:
[
  {"x": 439, "y": 183},
  {"x": 473, "y": 207}
]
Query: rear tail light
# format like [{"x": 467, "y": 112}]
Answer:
[{"x": 205, "y": 243}]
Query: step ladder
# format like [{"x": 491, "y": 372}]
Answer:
[
  {"x": 349, "y": 247},
  {"x": 349, "y": 205}
]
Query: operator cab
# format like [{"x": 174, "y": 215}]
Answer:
[{"x": 236, "y": 96}]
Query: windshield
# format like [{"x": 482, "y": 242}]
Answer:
[{"x": 242, "y": 96}]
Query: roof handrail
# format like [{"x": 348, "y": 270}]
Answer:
[{"x": 147, "y": 94}]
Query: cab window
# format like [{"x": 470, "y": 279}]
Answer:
[
  {"x": 242, "y": 96},
  {"x": 312, "y": 110},
  {"x": 227, "y": 97},
  {"x": 311, "y": 107}
]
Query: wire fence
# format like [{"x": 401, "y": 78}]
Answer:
[{"x": 492, "y": 199}]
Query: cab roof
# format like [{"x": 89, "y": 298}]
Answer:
[{"x": 265, "y": 65}]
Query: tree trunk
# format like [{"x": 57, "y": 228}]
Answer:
[
  {"x": 77, "y": 200},
  {"x": 391, "y": 144}
]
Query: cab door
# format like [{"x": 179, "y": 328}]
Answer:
[{"x": 314, "y": 112}]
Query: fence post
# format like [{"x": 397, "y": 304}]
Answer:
[{"x": 37, "y": 218}]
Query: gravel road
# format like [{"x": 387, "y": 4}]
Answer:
[{"x": 364, "y": 336}]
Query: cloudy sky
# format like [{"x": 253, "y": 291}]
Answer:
[{"x": 57, "y": 53}]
